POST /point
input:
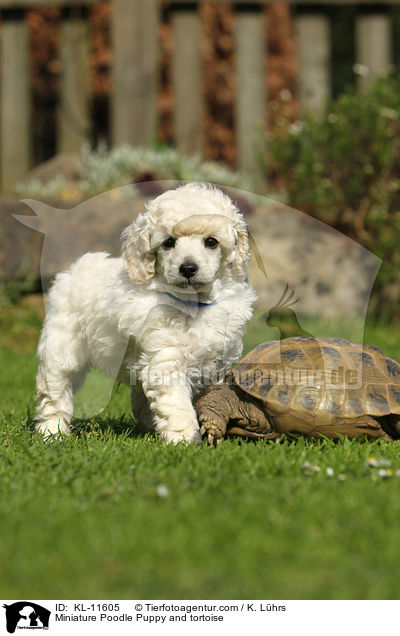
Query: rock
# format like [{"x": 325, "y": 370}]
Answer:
[
  {"x": 66, "y": 164},
  {"x": 330, "y": 275},
  {"x": 20, "y": 248},
  {"x": 51, "y": 239}
]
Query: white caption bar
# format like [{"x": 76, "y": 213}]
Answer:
[{"x": 308, "y": 618}]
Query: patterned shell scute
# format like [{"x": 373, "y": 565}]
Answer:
[{"x": 308, "y": 376}]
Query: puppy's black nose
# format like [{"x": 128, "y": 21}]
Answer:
[{"x": 188, "y": 269}]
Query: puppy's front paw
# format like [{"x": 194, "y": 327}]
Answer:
[
  {"x": 189, "y": 436},
  {"x": 53, "y": 427}
]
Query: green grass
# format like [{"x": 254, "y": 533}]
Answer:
[{"x": 108, "y": 514}]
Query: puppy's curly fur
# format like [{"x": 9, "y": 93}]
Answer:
[{"x": 167, "y": 317}]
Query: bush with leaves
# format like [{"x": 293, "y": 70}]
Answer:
[
  {"x": 13, "y": 289},
  {"x": 343, "y": 167},
  {"x": 102, "y": 169}
]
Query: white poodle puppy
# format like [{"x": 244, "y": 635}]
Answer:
[{"x": 166, "y": 318}]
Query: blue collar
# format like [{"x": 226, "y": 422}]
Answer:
[
  {"x": 195, "y": 303},
  {"x": 190, "y": 303}
]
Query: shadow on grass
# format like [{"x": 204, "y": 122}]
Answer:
[{"x": 124, "y": 425}]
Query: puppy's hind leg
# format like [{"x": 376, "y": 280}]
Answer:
[{"x": 62, "y": 361}]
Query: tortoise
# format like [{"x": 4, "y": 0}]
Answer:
[{"x": 312, "y": 387}]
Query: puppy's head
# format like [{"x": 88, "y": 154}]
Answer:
[{"x": 188, "y": 236}]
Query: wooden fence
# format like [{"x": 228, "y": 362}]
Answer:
[{"x": 135, "y": 71}]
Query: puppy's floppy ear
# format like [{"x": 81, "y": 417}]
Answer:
[
  {"x": 241, "y": 251},
  {"x": 136, "y": 251}
]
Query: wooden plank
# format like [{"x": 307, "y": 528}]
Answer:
[
  {"x": 250, "y": 99},
  {"x": 373, "y": 48},
  {"x": 73, "y": 114},
  {"x": 135, "y": 70},
  {"x": 312, "y": 34},
  {"x": 15, "y": 103},
  {"x": 187, "y": 84}
]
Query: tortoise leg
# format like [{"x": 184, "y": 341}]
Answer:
[
  {"x": 214, "y": 410},
  {"x": 364, "y": 426}
]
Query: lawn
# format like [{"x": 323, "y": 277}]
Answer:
[{"x": 108, "y": 514}]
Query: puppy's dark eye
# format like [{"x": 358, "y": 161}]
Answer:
[
  {"x": 211, "y": 242},
  {"x": 169, "y": 243}
]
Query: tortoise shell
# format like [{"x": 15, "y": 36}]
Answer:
[{"x": 329, "y": 378}]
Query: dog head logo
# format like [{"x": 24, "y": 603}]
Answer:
[{"x": 26, "y": 615}]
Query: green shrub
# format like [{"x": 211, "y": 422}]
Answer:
[
  {"x": 13, "y": 289},
  {"x": 102, "y": 169},
  {"x": 344, "y": 168}
]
